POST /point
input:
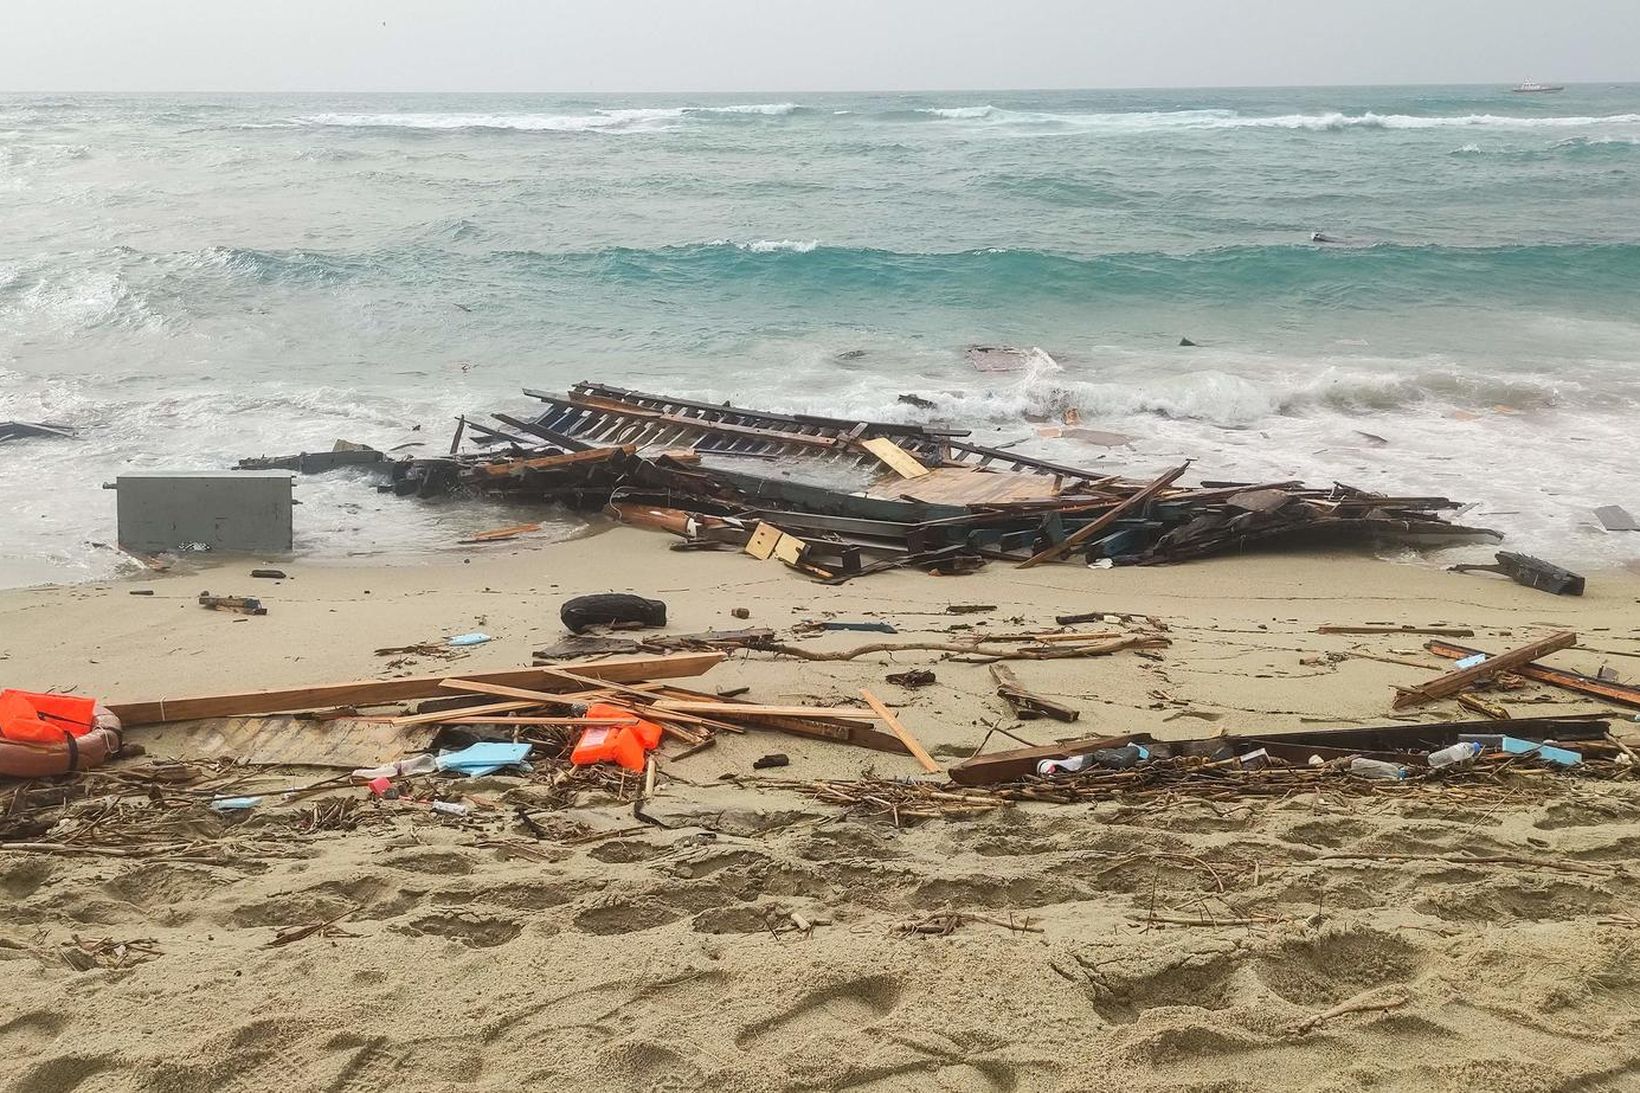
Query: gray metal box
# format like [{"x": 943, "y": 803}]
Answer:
[{"x": 249, "y": 511}]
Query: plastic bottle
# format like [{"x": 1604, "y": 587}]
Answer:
[
  {"x": 425, "y": 763},
  {"x": 1454, "y": 754},
  {"x": 1363, "y": 767}
]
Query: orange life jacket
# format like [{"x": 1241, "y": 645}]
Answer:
[{"x": 44, "y": 719}]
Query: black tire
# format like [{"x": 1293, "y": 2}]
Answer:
[{"x": 607, "y": 607}]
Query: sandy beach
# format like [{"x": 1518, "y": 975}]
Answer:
[{"x": 1314, "y": 942}]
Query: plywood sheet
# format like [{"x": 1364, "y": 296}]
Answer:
[
  {"x": 285, "y": 741},
  {"x": 967, "y": 486}
]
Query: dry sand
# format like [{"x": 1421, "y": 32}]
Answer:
[{"x": 648, "y": 961}]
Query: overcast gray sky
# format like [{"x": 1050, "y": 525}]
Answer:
[{"x": 802, "y": 45}]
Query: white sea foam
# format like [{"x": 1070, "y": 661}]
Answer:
[
  {"x": 633, "y": 119},
  {"x": 1229, "y": 119},
  {"x": 769, "y": 246}
]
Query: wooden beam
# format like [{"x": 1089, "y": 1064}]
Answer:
[
  {"x": 1010, "y": 766},
  {"x": 1089, "y": 530},
  {"x": 896, "y": 458},
  {"x": 912, "y": 744},
  {"x": 1453, "y": 682},
  {"x": 1620, "y": 693},
  {"x": 611, "y": 672}
]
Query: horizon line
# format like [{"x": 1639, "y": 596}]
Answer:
[{"x": 1504, "y": 84}]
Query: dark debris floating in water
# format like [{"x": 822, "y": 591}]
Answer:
[
  {"x": 26, "y": 430},
  {"x": 838, "y": 498}
]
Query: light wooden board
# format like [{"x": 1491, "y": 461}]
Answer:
[
  {"x": 968, "y": 486},
  {"x": 286, "y": 741},
  {"x": 912, "y": 744},
  {"x": 898, "y": 460}
]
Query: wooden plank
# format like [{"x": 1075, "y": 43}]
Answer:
[
  {"x": 541, "y": 721},
  {"x": 789, "y": 549},
  {"x": 607, "y": 693},
  {"x": 438, "y": 716},
  {"x": 552, "y": 462},
  {"x": 1615, "y": 518},
  {"x": 1089, "y": 530},
  {"x": 1438, "y": 631},
  {"x": 912, "y": 744},
  {"x": 375, "y": 692},
  {"x": 1027, "y": 702},
  {"x": 747, "y": 708},
  {"x": 1010, "y": 766},
  {"x": 1453, "y": 682},
  {"x": 1619, "y": 693},
  {"x": 896, "y": 458},
  {"x": 500, "y": 690},
  {"x": 970, "y": 486}
]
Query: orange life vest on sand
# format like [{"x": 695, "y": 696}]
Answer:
[
  {"x": 623, "y": 744},
  {"x": 44, "y": 719}
]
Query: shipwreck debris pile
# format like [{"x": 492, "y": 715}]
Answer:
[{"x": 838, "y": 498}]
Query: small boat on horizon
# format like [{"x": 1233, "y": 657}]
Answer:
[{"x": 1534, "y": 86}]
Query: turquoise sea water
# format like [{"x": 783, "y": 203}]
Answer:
[{"x": 192, "y": 279}]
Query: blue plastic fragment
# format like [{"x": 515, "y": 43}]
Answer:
[
  {"x": 483, "y": 758},
  {"x": 1547, "y": 752},
  {"x": 475, "y": 638},
  {"x": 235, "y": 804},
  {"x": 1471, "y": 661}
]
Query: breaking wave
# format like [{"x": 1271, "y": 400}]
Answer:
[
  {"x": 1145, "y": 121},
  {"x": 633, "y": 120}
]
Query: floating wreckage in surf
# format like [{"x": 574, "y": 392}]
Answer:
[{"x": 838, "y": 498}]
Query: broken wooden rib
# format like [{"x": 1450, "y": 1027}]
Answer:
[
  {"x": 1088, "y": 531},
  {"x": 375, "y": 692},
  {"x": 1453, "y": 682}
]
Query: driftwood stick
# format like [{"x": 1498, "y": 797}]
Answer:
[
  {"x": 974, "y": 649},
  {"x": 1354, "y": 1005}
]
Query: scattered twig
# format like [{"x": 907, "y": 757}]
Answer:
[{"x": 1354, "y": 1005}]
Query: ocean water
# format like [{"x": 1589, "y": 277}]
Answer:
[{"x": 191, "y": 279}]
